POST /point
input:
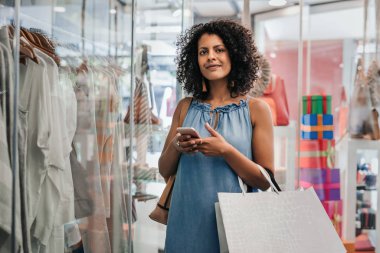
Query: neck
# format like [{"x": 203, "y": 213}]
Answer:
[{"x": 219, "y": 90}]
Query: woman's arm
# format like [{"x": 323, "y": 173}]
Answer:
[
  {"x": 262, "y": 147},
  {"x": 168, "y": 162}
]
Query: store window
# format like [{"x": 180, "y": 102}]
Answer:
[
  {"x": 82, "y": 68},
  {"x": 157, "y": 25},
  {"x": 333, "y": 68},
  {"x": 73, "y": 65},
  {"x": 338, "y": 61},
  {"x": 77, "y": 62}
]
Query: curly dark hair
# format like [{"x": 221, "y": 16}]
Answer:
[{"x": 241, "y": 48}]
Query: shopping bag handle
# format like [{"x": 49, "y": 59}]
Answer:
[{"x": 244, "y": 187}]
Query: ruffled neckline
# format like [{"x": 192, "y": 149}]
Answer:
[{"x": 224, "y": 108}]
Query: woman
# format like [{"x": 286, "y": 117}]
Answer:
[{"x": 217, "y": 64}]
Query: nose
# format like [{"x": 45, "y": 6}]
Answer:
[{"x": 211, "y": 55}]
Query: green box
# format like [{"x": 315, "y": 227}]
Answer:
[{"x": 316, "y": 104}]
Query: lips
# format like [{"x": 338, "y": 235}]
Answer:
[{"x": 212, "y": 66}]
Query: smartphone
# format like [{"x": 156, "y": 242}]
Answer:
[{"x": 188, "y": 131}]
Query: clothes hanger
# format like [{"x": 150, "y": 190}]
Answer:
[
  {"x": 44, "y": 40},
  {"x": 27, "y": 35},
  {"x": 26, "y": 49},
  {"x": 42, "y": 48},
  {"x": 83, "y": 67},
  {"x": 35, "y": 42}
]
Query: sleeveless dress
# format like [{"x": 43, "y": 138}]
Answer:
[{"x": 192, "y": 223}]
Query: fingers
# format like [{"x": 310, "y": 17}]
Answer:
[
  {"x": 182, "y": 138},
  {"x": 186, "y": 144},
  {"x": 211, "y": 130}
]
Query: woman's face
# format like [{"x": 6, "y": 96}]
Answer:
[{"x": 213, "y": 58}]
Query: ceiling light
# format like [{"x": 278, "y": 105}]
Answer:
[
  {"x": 178, "y": 13},
  {"x": 277, "y": 2},
  {"x": 60, "y": 9},
  {"x": 113, "y": 11}
]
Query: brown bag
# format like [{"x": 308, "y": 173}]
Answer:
[{"x": 160, "y": 213}]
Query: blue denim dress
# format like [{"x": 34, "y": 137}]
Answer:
[{"x": 192, "y": 222}]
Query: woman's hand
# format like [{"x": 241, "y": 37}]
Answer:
[
  {"x": 215, "y": 145},
  {"x": 185, "y": 143}
]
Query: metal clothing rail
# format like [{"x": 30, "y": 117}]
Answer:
[
  {"x": 131, "y": 132},
  {"x": 16, "y": 57}
]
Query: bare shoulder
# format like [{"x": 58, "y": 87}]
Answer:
[
  {"x": 259, "y": 110},
  {"x": 258, "y": 106},
  {"x": 183, "y": 102}
]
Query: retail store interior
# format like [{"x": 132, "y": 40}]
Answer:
[{"x": 99, "y": 77}]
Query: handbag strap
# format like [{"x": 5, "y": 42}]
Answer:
[{"x": 243, "y": 186}]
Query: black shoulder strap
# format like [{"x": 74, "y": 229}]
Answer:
[{"x": 273, "y": 179}]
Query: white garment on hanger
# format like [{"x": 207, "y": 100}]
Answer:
[{"x": 42, "y": 192}]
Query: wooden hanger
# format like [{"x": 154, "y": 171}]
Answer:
[
  {"x": 40, "y": 44},
  {"x": 83, "y": 68},
  {"x": 45, "y": 41},
  {"x": 26, "y": 50}
]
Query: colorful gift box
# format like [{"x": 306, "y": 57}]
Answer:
[
  {"x": 317, "y": 126},
  {"x": 320, "y": 176},
  {"x": 326, "y": 182},
  {"x": 317, "y": 154},
  {"x": 316, "y": 104},
  {"x": 327, "y": 191}
]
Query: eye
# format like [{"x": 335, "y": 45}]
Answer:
[
  {"x": 202, "y": 52},
  {"x": 220, "y": 50}
]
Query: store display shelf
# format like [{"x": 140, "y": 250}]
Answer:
[
  {"x": 360, "y": 188},
  {"x": 347, "y": 161},
  {"x": 285, "y": 157}
]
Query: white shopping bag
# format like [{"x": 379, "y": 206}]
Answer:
[{"x": 275, "y": 222}]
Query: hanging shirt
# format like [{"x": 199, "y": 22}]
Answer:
[
  {"x": 43, "y": 165},
  {"x": 6, "y": 195}
]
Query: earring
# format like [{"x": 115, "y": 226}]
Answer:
[
  {"x": 204, "y": 87},
  {"x": 232, "y": 84}
]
